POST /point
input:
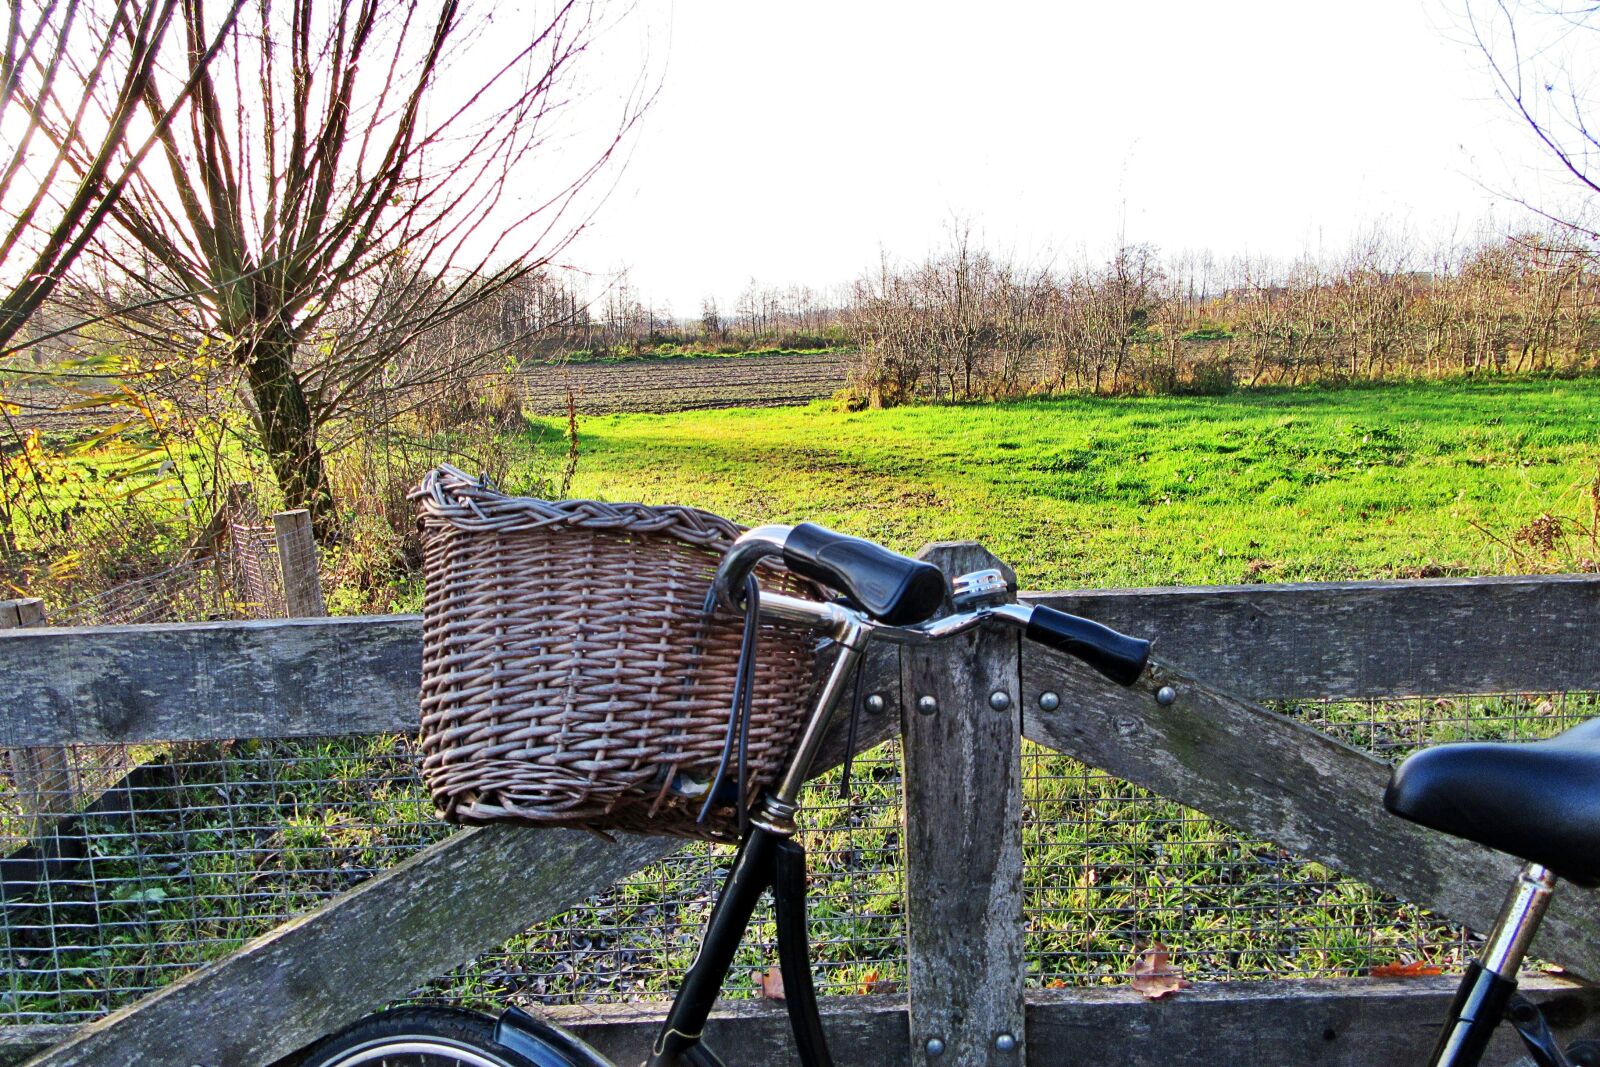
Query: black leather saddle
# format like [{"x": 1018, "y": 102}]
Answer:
[{"x": 1539, "y": 801}]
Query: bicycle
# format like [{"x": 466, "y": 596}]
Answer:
[{"x": 1542, "y": 805}]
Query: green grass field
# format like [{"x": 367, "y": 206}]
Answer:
[
  {"x": 1267, "y": 485},
  {"x": 1260, "y": 486}
]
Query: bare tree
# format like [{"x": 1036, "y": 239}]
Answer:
[
  {"x": 78, "y": 69},
  {"x": 710, "y": 320},
  {"x": 1110, "y": 311},
  {"x": 1540, "y": 58},
  {"x": 332, "y": 209}
]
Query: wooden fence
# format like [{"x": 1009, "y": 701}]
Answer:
[{"x": 1265, "y": 774}]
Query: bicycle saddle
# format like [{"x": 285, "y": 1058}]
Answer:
[{"x": 1538, "y": 801}]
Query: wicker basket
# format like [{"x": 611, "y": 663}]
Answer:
[{"x": 569, "y": 673}]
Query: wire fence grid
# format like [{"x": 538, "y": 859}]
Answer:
[
  {"x": 163, "y": 857},
  {"x": 241, "y": 579},
  {"x": 255, "y": 570},
  {"x": 193, "y": 589},
  {"x": 203, "y": 846}
]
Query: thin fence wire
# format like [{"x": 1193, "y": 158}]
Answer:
[
  {"x": 169, "y": 856},
  {"x": 206, "y": 845},
  {"x": 242, "y": 581},
  {"x": 193, "y": 590},
  {"x": 256, "y": 572}
]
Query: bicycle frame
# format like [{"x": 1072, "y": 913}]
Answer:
[{"x": 768, "y": 858}]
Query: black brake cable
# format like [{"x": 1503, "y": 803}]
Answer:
[
  {"x": 746, "y": 683},
  {"x": 850, "y": 738},
  {"x": 740, "y": 707}
]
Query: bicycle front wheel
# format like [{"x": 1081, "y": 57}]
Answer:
[{"x": 416, "y": 1037}]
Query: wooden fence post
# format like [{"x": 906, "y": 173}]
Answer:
[
  {"x": 962, "y": 722},
  {"x": 43, "y": 775},
  {"x": 297, "y": 554}
]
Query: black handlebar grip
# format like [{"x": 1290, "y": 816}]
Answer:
[
  {"x": 892, "y": 588},
  {"x": 1117, "y": 656}
]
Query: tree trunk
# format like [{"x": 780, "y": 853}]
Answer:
[{"x": 287, "y": 431}]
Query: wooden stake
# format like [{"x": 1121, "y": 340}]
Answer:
[
  {"x": 297, "y": 554},
  {"x": 43, "y": 774}
]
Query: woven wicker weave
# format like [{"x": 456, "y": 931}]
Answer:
[{"x": 569, "y": 674}]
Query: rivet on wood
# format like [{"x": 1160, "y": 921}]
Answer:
[
  {"x": 1005, "y": 1043},
  {"x": 999, "y": 700},
  {"x": 1049, "y": 701},
  {"x": 927, "y": 705},
  {"x": 1166, "y": 695},
  {"x": 875, "y": 703},
  {"x": 935, "y": 1047}
]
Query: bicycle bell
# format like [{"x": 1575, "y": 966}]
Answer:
[{"x": 979, "y": 588}]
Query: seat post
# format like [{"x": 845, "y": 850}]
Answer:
[
  {"x": 1491, "y": 980},
  {"x": 1519, "y": 919}
]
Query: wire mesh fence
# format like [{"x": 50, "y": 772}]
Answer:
[
  {"x": 127, "y": 867},
  {"x": 193, "y": 589},
  {"x": 241, "y": 579},
  {"x": 254, "y": 569},
  {"x": 205, "y": 845}
]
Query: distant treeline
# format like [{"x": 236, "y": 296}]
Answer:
[
  {"x": 546, "y": 317},
  {"x": 964, "y": 323}
]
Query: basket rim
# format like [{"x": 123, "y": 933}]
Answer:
[{"x": 449, "y": 495}]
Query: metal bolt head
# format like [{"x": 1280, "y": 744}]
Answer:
[
  {"x": 875, "y": 703},
  {"x": 1049, "y": 701},
  {"x": 1005, "y": 1043},
  {"x": 1166, "y": 695},
  {"x": 927, "y": 706},
  {"x": 935, "y": 1047},
  {"x": 999, "y": 700}
]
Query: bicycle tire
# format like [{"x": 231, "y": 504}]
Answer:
[{"x": 416, "y": 1037}]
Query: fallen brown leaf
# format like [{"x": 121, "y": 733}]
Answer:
[
  {"x": 871, "y": 983},
  {"x": 1154, "y": 976},
  {"x": 1414, "y": 969},
  {"x": 771, "y": 983}
]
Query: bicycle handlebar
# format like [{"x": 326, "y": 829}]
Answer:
[
  {"x": 1117, "y": 656},
  {"x": 891, "y": 588}
]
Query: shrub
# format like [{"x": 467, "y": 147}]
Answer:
[{"x": 1210, "y": 377}]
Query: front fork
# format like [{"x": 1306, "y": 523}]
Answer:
[
  {"x": 767, "y": 859},
  {"x": 678, "y": 1042}
]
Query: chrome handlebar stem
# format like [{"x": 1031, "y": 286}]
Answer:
[
  {"x": 850, "y": 628},
  {"x": 764, "y": 541}
]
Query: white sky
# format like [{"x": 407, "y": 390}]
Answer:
[{"x": 792, "y": 141}]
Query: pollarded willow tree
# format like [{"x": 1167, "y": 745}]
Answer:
[
  {"x": 349, "y": 179},
  {"x": 73, "y": 78},
  {"x": 74, "y": 129}
]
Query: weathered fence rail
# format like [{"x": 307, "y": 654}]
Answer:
[
  {"x": 306, "y": 677},
  {"x": 1265, "y": 773}
]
